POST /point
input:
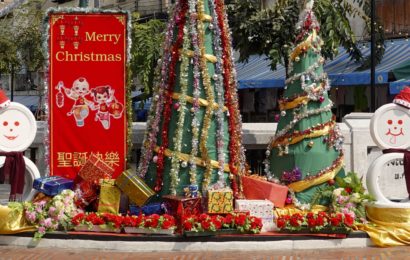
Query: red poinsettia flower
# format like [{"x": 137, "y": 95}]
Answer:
[
  {"x": 320, "y": 221},
  {"x": 311, "y": 222},
  {"x": 281, "y": 222},
  {"x": 256, "y": 223},
  {"x": 187, "y": 225},
  {"x": 348, "y": 220},
  {"x": 348, "y": 190},
  {"x": 77, "y": 219},
  {"x": 335, "y": 221},
  {"x": 240, "y": 219},
  {"x": 206, "y": 224},
  {"x": 217, "y": 222}
]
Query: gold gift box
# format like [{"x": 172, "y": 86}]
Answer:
[
  {"x": 110, "y": 197},
  {"x": 220, "y": 201},
  {"x": 136, "y": 189}
]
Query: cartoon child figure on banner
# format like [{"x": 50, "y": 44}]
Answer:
[
  {"x": 390, "y": 130},
  {"x": 103, "y": 96},
  {"x": 78, "y": 93},
  {"x": 18, "y": 129}
]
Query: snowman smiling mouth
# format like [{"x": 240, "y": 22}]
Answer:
[
  {"x": 390, "y": 133},
  {"x": 10, "y": 137}
]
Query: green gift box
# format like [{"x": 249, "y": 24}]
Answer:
[{"x": 136, "y": 189}]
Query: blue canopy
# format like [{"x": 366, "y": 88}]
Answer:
[{"x": 341, "y": 70}]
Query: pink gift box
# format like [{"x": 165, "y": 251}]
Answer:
[{"x": 258, "y": 189}]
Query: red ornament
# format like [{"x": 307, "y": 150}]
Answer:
[
  {"x": 176, "y": 106},
  {"x": 116, "y": 109},
  {"x": 331, "y": 182},
  {"x": 60, "y": 99},
  {"x": 321, "y": 99}
]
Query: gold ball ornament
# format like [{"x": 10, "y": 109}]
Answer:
[{"x": 297, "y": 59}]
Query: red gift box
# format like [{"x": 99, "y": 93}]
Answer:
[
  {"x": 181, "y": 206},
  {"x": 95, "y": 169},
  {"x": 255, "y": 188}
]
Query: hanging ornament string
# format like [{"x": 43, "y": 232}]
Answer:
[
  {"x": 166, "y": 115},
  {"x": 180, "y": 107},
  {"x": 196, "y": 92},
  {"x": 209, "y": 97},
  {"x": 217, "y": 77},
  {"x": 154, "y": 118}
]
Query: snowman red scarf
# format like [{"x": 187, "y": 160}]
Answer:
[{"x": 13, "y": 172}]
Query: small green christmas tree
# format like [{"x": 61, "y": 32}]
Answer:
[
  {"x": 193, "y": 134},
  {"x": 306, "y": 151}
]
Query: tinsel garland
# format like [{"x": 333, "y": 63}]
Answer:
[
  {"x": 230, "y": 91},
  {"x": 297, "y": 136},
  {"x": 217, "y": 77},
  {"x": 46, "y": 29},
  {"x": 206, "y": 82},
  {"x": 180, "y": 106},
  {"x": 153, "y": 121},
  {"x": 166, "y": 115},
  {"x": 196, "y": 92}
]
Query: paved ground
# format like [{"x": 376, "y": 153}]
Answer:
[{"x": 8, "y": 252}]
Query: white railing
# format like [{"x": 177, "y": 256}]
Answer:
[{"x": 359, "y": 148}]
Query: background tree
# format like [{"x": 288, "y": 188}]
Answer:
[
  {"x": 272, "y": 31},
  {"x": 21, "y": 38},
  {"x": 146, "y": 50},
  {"x": 306, "y": 151}
]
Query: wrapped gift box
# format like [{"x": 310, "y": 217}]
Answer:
[
  {"x": 136, "y": 189},
  {"x": 256, "y": 188},
  {"x": 181, "y": 206},
  {"x": 220, "y": 201},
  {"x": 149, "y": 209},
  {"x": 95, "y": 169},
  {"x": 52, "y": 186},
  {"x": 261, "y": 209},
  {"x": 110, "y": 197},
  {"x": 86, "y": 193}
]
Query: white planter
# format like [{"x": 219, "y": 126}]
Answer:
[
  {"x": 134, "y": 230},
  {"x": 84, "y": 228}
]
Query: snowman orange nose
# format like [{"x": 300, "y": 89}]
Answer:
[
  {"x": 395, "y": 127},
  {"x": 11, "y": 130}
]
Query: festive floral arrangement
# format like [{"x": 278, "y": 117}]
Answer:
[
  {"x": 112, "y": 221},
  {"x": 204, "y": 222},
  {"x": 315, "y": 222},
  {"x": 103, "y": 220},
  {"x": 50, "y": 215},
  {"x": 346, "y": 195}
]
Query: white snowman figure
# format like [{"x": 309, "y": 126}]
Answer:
[
  {"x": 18, "y": 129},
  {"x": 390, "y": 130}
]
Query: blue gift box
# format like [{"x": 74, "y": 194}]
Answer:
[
  {"x": 52, "y": 186},
  {"x": 149, "y": 209}
]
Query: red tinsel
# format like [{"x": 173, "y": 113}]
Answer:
[
  {"x": 229, "y": 91},
  {"x": 180, "y": 20}
]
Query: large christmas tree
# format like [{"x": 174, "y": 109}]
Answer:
[
  {"x": 193, "y": 134},
  {"x": 305, "y": 152}
]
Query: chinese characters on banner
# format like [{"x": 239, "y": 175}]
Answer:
[{"x": 87, "y": 81}]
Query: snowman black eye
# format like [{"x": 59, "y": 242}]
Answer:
[
  {"x": 400, "y": 122},
  {"x": 5, "y": 123},
  {"x": 17, "y": 123}
]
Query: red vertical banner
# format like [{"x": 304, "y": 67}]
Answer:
[{"x": 87, "y": 90}]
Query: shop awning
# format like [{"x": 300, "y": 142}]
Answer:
[
  {"x": 341, "y": 70},
  {"x": 402, "y": 74}
]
